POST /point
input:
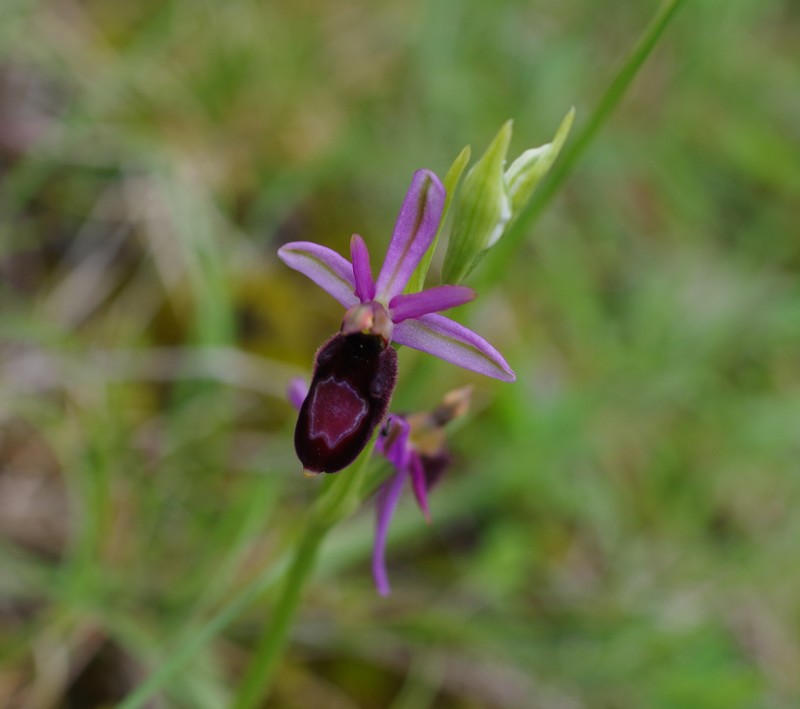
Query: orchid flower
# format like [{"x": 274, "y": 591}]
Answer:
[
  {"x": 355, "y": 371},
  {"x": 415, "y": 446}
]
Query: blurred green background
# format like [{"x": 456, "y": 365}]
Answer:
[{"x": 619, "y": 529}]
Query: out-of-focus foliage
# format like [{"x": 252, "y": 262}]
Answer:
[{"x": 620, "y": 528}]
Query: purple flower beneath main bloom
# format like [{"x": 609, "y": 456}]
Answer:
[
  {"x": 380, "y": 307},
  {"x": 414, "y": 444}
]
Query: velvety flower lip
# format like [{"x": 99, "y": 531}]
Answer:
[{"x": 414, "y": 319}]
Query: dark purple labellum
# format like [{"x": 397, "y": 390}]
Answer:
[{"x": 354, "y": 377}]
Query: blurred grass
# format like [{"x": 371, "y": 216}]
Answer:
[{"x": 619, "y": 528}]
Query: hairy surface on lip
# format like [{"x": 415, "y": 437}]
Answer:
[{"x": 354, "y": 377}]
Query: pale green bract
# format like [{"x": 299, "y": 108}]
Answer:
[{"x": 492, "y": 197}]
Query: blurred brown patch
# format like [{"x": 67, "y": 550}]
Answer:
[{"x": 33, "y": 500}]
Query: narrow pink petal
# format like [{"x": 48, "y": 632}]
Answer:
[
  {"x": 432, "y": 300},
  {"x": 419, "y": 485},
  {"x": 362, "y": 272},
  {"x": 444, "y": 338},
  {"x": 325, "y": 267},
  {"x": 414, "y": 232},
  {"x": 386, "y": 502},
  {"x": 297, "y": 391}
]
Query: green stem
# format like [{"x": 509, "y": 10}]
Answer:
[
  {"x": 259, "y": 676},
  {"x": 338, "y": 501}
]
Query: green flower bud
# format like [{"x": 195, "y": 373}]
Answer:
[
  {"x": 527, "y": 171},
  {"x": 482, "y": 211},
  {"x": 492, "y": 197}
]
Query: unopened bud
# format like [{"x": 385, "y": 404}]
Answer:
[{"x": 492, "y": 197}]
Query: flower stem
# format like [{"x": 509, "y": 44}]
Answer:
[
  {"x": 259, "y": 676},
  {"x": 338, "y": 501}
]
